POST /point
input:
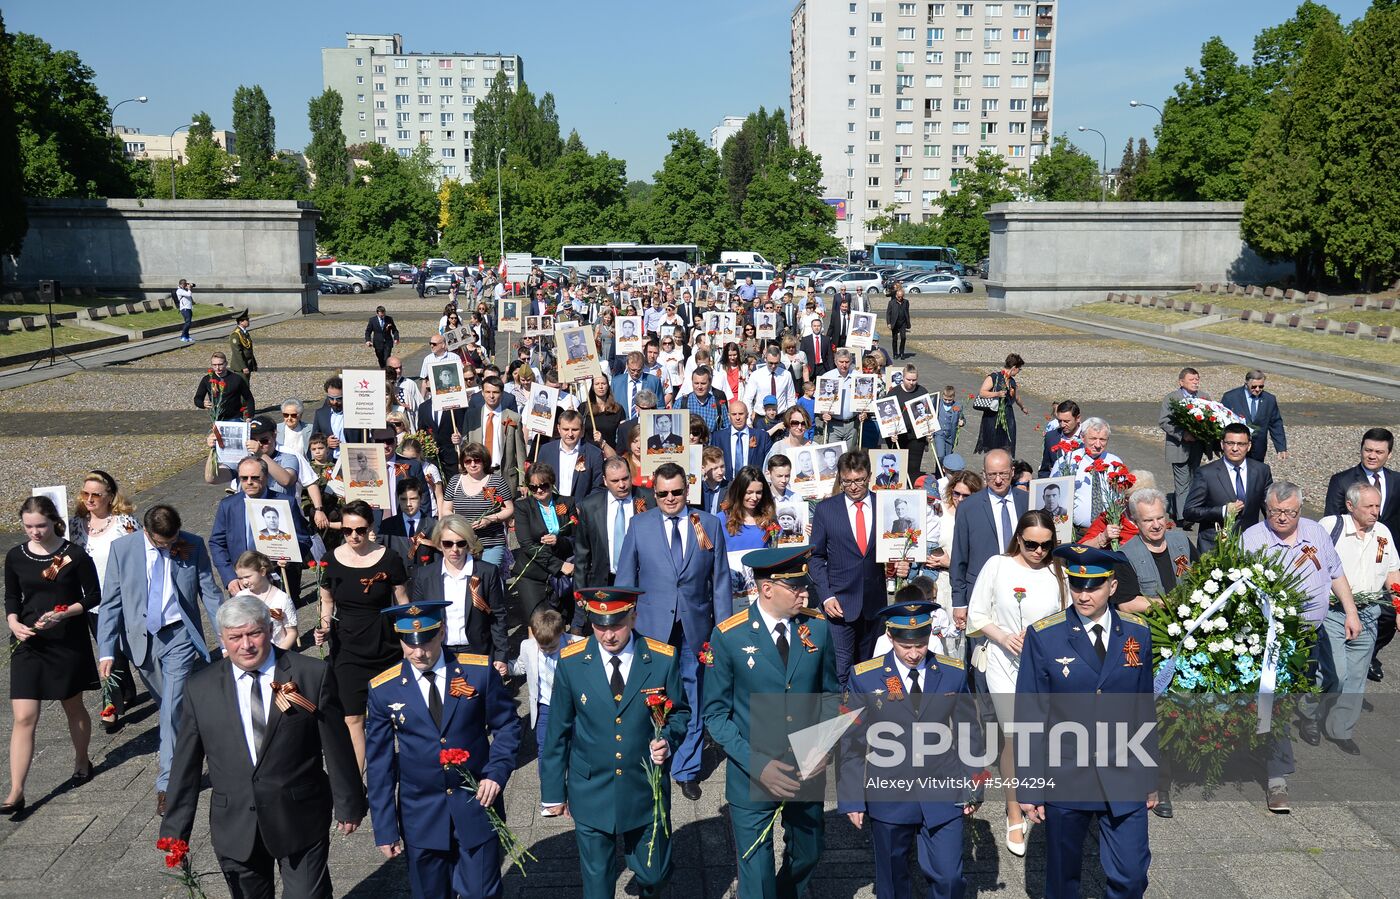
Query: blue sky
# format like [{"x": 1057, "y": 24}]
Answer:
[{"x": 625, "y": 73}]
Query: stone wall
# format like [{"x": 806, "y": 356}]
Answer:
[
  {"x": 1054, "y": 255},
  {"x": 254, "y": 254}
]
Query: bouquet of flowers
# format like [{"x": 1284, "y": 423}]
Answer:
[
  {"x": 1065, "y": 461},
  {"x": 425, "y": 439},
  {"x": 177, "y": 860},
  {"x": 1228, "y": 637},
  {"x": 1203, "y": 419},
  {"x": 661, "y": 709},
  {"x": 511, "y": 845},
  {"x": 1118, "y": 481}
]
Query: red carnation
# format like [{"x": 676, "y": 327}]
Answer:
[{"x": 453, "y": 756}]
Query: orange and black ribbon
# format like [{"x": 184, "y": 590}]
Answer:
[
  {"x": 368, "y": 582},
  {"x": 458, "y": 686},
  {"x": 1131, "y": 648},
  {"x": 284, "y": 696},
  {"x": 478, "y": 600}
]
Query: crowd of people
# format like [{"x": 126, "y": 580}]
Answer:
[{"x": 564, "y": 560}]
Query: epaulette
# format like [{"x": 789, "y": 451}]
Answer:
[
  {"x": 733, "y": 621},
  {"x": 947, "y": 660},
  {"x": 666, "y": 649},
  {"x": 384, "y": 677},
  {"x": 811, "y": 613},
  {"x": 471, "y": 658},
  {"x": 869, "y": 666},
  {"x": 1048, "y": 620},
  {"x": 573, "y": 649},
  {"x": 1133, "y": 617}
]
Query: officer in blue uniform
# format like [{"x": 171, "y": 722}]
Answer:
[
  {"x": 906, "y": 685},
  {"x": 772, "y": 665},
  {"x": 1093, "y": 650},
  {"x": 427, "y": 703},
  {"x": 600, "y": 732}
]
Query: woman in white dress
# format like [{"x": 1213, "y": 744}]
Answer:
[{"x": 1013, "y": 591}]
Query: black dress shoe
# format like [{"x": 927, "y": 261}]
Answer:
[
  {"x": 1163, "y": 808},
  {"x": 1307, "y": 729},
  {"x": 690, "y": 790},
  {"x": 81, "y": 777},
  {"x": 12, "y": 808},
  {"x": 1347, "y": 746},
  {"x": 1375, "y": 674}
]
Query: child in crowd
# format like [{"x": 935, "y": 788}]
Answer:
[
  {"x": 539, "y": 656},
  {"x": 253, "y": 570}
]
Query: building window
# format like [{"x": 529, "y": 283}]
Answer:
[
  {"x": 362, "y": 116},
  {"x": 962, "y": 127},
  {"x": 379, "y": 104},
  {"x": 444, "y": 63},
  {"x": 877, "y": 17},
  {"x": 906, "y": 34},
  {"x": 359, "y": 60},
  {"x": 872, "y": 181},
  {"x": 964, "y": 9},
  {"x": 903, "y": 127},
  {"x": 508, "y": 65},
  {"x": 933, "y": 57},
  {"x": 449, "y": 135},
  {"x": 400, "y": 81},
  {"x": 872, "y": 159},
  {"x": 904, "y": 57},
  {"x": 851, "y": 7},
  {"x": 444, "y": 82},
  {"x": 379, "y": 70},
  {"x": 363, "y": 134},
  {"x": 876, "y": 41},
  {"x": 937, "y": 9},
  {"x": 876, "y": 65},
  {"x": 875, "y": 89},
  {"x": 383, "y": 141},
  {"x": 1021, "y": 58},
  {"x": 850, "y": 79},
  {"x": 932, "y": 151},
  {"x": 405, "y": 152},
  {"x": 449, "y": 170},
  {"x": 850, "y": 102},
  {"x": 932, "y": 105},
  {"x": 962, "y": 82},
  {"x": 425, "y": 117},
  {"x": 959, "y": 151},
  {"x": 928, "y": 197},
  {"x": 988, "y": 128},
  {"x": 962, "y": 57},
  {"x": 933, "y": 81},
  {"x": 1020, "y": 81},
  {"x": 359, "y": 79},
  {"x": 934, "y": 34},
  {"x": 901, "y": 196},
  {"x": 381, "y": 123},
  {"x": 445, "y": 118},
  {"x": 400, "y": 63},
  {"x": 468, "y": 83},
  {"x": 850, "y": 127},
  {"x": 991, "y": 58},
  {"x": 1017, "y": 150},
  {"x": 1015, "y": 127},
  {"x": 873, "y": 112},
  {"x": 851, "y": 54},
  {"x": 991, "y": 81},
  {"x": 424, "y": 99},
  {"x": 962, "y": 104},
  {"x": 962, "y": 34},
  {"x": 991, "y": 34},
  {"x": 449, "y": 152},
  {"x": 993, "y": 10},
  {"x": 1020, "y": 10},
  {"x": 1020, "y": 34},
  {"x": 469, "y": 64},
  {"x": 904, "y": 104},
  {"x": 379, "y": 87},
  {"x": 873, "y": 136},
  {"x": 424, "y": 82},
  {"x": 402, "y": 134},
  {"x": 851, "y": 32},
  {"x": 489, "y": 65},
  {"x": 907, "y": 9},
  {"x": 1016, "y": 105},
  {"x": 359, "y": 98},
  {"x": 990, "y": 105},
  {"x": 425, "y": 137},
  {"x": 445, "y": 100},
  {"x": 903, "y": 151},
  {"x": 873, "y": 206}
]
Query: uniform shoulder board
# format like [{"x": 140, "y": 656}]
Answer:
[
  {"x": 812, "y": 613},
  {"x": 1048, "y": 620},
  {"x": 733, "y": 621},
  {"x": 666, "y": 649},
  {"x": 573, "y": 649},
  {"x": 869, "y": 666},
  {"x": 1133, "y": 617},
  {"x": 947, "y": 660},
  {"x": 471, "y": 658},
  {"x": 384, "y": 677}
]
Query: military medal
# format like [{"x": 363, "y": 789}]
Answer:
[
  {"x": 396, "y": 716},
  {"x": 583, "y": 699},
  {"x": 751, "y": 649},
  {"x": 1065, "y": 661}
]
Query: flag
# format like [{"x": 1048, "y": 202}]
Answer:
[
  {"x": 480, "y": 262},
  {"x": 501, "y": 269}
]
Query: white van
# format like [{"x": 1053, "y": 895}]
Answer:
[
  {"x": 744, "y": 257},
  {"x": 358, "y": 282}
]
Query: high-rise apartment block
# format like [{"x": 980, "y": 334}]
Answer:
[
  {"x": 898, "y": 98},
  {"x": 402, "y": 100}
]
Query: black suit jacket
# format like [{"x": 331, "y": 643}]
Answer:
[
  {"x": 486, "y": 631},
  {"x": 592, "y": 558},
  {"x": 478, "y": 401},
  {"x": 1337, "y": 495},
  {"x": 529, "y": 528},
  {"x": 379, "y": 336},
  {"x": 392, "y": 533},
  {"x": 305, "y": 769},
  {"x": 828, "y": 353},
  {"x": 1213, "y": 487},
  {"x": 442, "y": 433}
]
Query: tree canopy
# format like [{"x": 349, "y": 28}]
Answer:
[{"x": 1066, "y": 173}]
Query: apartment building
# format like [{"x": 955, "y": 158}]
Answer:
[
  {"x": 136, "y": 145},
  {"x": 403, "y": 100},
  {"x": 898, "y": 98}
]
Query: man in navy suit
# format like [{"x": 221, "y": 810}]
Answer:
[
  {"x": 449, "y": 440},
  {"x": 741, "y": 444},
  {"x": 604, "y": 519},
  {"x": 627, "y": 385},
  {"x": 850, "y": 584},
  {"x": 1229, "y": 484},
  {"x": 231, "y": 535},
  {"x": 1259, "y": 408},
  {"x": 681, "y": 554},
  {"x": 1089, "y": 648},
  {"x": 403, "y": 532},
  {"x": 579, "y": 464},
  {"x": 421, "y": 808},
  {"x": 983, "y": 528}
]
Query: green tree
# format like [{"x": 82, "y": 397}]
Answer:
[
  {"x": 892, "y": 230},
  {"x": 963, "y": 224},
  {"x": 1284, "y": 212},
  {"x": 586, "y": 201},
  {"x": 746, "y": 153},
  {"x": 1065, "y": 173},
  {"x": 63, "y": 124},
  {"x": 387, "y": 213},
  {"x": 207, "y": 172},
  {"x": 1361, "y": 169},
  {"x": 1279, "y": 49},
  {"x": 256, "y": 132},
  {"x": 14, "y": 222},
  {"x": 1207, "y": 129},
  {"x": 688, "y": 203},
  {"x": 785, "y": 218},
  {"x": 489, "y": 127},
  {"x": 1127, "y": 170},
  {"x": 326, "y": 154}
]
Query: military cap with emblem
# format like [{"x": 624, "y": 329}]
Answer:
[
  {"x": 417, "y": 622},
  {"x": 608, "y": 605},
  {"x": 1087, "y": 567},
  {"x": 909, "y": 621},
  {"x": 785, "y": 564}
]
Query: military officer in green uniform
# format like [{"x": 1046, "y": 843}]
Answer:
[
  {"x": 783, "y": 649},
  {"x": 600, "y": 738}
]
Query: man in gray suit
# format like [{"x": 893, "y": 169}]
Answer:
[
  {"x": 156, "y": 579},
  {"x": 1183, "y": 450},
  {"x": 985, "y": 524}
]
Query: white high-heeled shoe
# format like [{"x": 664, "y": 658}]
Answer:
[{"x": 1018, "y": 849}]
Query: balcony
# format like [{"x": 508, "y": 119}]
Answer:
[
  {"x": 1042, "y": 68},
  {"x": 1043, "y": 44},
  {"x": 1044, "y": 21},
  {"x": 1040, "y": 115}
]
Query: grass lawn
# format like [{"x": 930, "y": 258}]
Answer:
[
  {"x": 138, "y": 321},
  {"x": 1136, "y": 313},
  {"x": 1345, "y": 347},
  {"x": 1372, "y": 317},
  {"x": 72, "y": 304},
  {"x": 1259, "y": 304},
  {"x": 28, "y": 341}
]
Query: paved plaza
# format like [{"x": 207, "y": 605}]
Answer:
[{"x": 135, "y": 419}]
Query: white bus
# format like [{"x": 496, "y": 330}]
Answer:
[{"x": 616, "y": 257}]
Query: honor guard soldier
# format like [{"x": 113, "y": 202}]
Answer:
[
  {"x": 1095, "y": 650},
  {"x": 905, "y": 686},
  {"x": 427, "y": 703},
  {"x": 607, "y": 690},
  {"x": 781, "y": 648}
]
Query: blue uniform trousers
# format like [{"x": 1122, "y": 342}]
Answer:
[
  {"x": 1123, "y": 851},
  {"x": 470, "y": 873},
  {"x": 940, "y": 858}
]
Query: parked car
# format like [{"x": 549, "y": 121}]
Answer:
[
  {"x": 544, "y": 261},
  {"x": 399, "y": 269},
  {"x": 982, "y": 267},
  {"x": 860, "y": 281},
  {"x": 324, "y": 285},
  {"x": 938, "y": 282},
  {"x": 598, "y": 271},
  {"x": 375, "y": 278},
  {"x": 337, "y": 285},
  {"x": 559, "y": 274},
  {"x": 762, "y": 277},
  {"x": 439, "y": 284},
  {"x": 358, "y": 282}
]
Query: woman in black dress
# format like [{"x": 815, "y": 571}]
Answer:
[
  {"x": 604, "y": 415},
  {"x": 1001, "y": 385},
  {"x": 49, "y": 585},
  {"x": 360, "y": 580},
  {"x": 544, "y": 525}
]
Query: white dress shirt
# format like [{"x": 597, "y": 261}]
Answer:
[
  {"x": 904, "y": 670},
  {"x": 1102, "y": 621},
  {"x": 568, "y": 461},
  {"x": 1230, "y": 476},
  {"x": 439, "y": 681},
  {"x": 760, "y": 384},
  {"x": 456, "y": 589},
  {"x": 497, "y": 427},
  {"x": 869, "y": 512},
  {"x": 1003, "y": 537},
  {"x": 771, "y": 624},
  {"x": 626, "y": 503},
  {"x": 244, "y": 684},
  {"x": 1367, "y": 566},
  {"x": 683, "y": 529},
  {"x": 625, "y": 654}
]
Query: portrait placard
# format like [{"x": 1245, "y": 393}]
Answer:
[
  {"x": 827, "y": 456},
  {"x": 792, "y": 518},
  {"x": 508, "y": 316},
  {"x": 862, "y": 335},
  {"x": 1056, "y": 496},
  {"x": 728, "y": 331},
  {"x": 900, "y": 514},
  {"x": 274, "y": 535},
  {"x": 828, "y": 396},
  {"x": 921, "y": 415},
  {"x": 891, "y": 469},
  {"x": 539, "y": 326},
  {"x": 364, "y": 398},
  {"x": 57, "y": 494},
  {"x": 364, "y": 471},
  {"x": 665, "y": 438},
  {"x": 231, "y": 444},
  {"x": 454, "y": 337},
  {"x": 446, "y": 380},
  {"x": 578, "y": 357},
  {"x": 863, "y": 395},
  {"x": 539, "y": 414},
  {"x": 630, "y": 337},
  {"x": 694, "y": 492},
  {"x": 745, "y": 591},
  {"x": 889, "y": 416},
  {"x": 766, "y": 325}
]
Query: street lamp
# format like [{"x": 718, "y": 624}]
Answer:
[
  {"x": 1103, "y": 170},
  {"x": 1136, "y": 103},
  {"x": 112, "y": 113},
  {"x": 500, "y": 214}
]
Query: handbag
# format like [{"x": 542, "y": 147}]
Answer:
[{"x": 989, "y": 403}]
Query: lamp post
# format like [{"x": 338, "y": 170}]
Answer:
[
  {"x": 172, "y": 156},
  {"x": 1103, "y": 168},
  {"x": 112, "y": 113},
  {"x": 500, "y": 212},
  {"x": 1136, "y": 103}
]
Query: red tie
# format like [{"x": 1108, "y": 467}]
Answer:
[
  {"x": 817, "y": 344},
  {"x": 491, "y": 432},
  {"x": 862, "y": 532},
  {"x": 773, "y": 383}
]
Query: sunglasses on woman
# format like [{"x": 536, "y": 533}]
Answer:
[
  {"x": 1037, "y": 546},
  {"x": 452, "y": 544},
  {"x": 358, "y": 532}
]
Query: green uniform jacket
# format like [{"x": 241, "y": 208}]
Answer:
[
  {"x": 596, "y": 749},
  {"x": 240, "y": 356},
  {"x": 746, "y": 662}
]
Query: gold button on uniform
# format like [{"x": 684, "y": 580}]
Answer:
[
  {"x": 443, "y": 740},
  {"x": 619, "y": 772},
  {"x": 619, "y": 755},
  {"x": 449, "y": 791},
  {"x": 617, "y": 721},
  {"x": 619, "y": 738}
]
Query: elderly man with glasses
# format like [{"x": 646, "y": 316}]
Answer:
[{"x": 1308, "y": 551}]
